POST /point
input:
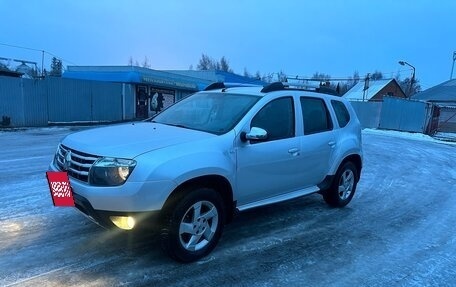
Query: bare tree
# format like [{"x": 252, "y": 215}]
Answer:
[
  {"x": 322, "y": 77},
  {"x": 355, "y": 77},
  {"x": 377, "y": 75},
  {"x": 246, "y": 73},
  {"x": 409, "y": 88},
  {"x": 146, "y": 63},
  {"x": 350, "y": 83},
  {"x": 268, "y": 78},
  {"x": 281, "y": 76}
]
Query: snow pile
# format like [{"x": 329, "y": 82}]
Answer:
[{"x": 405, "y": 135}]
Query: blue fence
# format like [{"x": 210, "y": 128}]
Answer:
[
  {"x": 396, "y": 114},
  {"x": 405, "y": 115},
  {"x": 39, "y": 102}
]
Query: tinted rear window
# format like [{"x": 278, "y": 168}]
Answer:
[
  {"x": 315, "y": 115},
  {"x": 342, "y": 114}
]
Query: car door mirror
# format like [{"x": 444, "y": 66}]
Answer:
[{"x": 255, "y": 134}]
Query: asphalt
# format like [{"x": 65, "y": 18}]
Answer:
[{"x": 397, "y": 231}]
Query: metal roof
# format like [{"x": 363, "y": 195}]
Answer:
[
  {"x": 444, "y": 92},
  {"x": 177, "y": 79},
  {"x": 133, "y": 74},
  {"x": 9, "y": 73},
  {"x": 357, "y": 93},
  {"x": 218, "y": 76}
]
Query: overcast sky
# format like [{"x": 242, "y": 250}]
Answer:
[{"x": 296, "y": 37}]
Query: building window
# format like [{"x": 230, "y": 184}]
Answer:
[{"x": 160, "y": 99}]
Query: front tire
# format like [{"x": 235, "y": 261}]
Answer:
[
  {"x": 343, "y": 187},
  {"x": 193, "y": 226}
]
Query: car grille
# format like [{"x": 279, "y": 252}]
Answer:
[{"x": 79, "y": 164}]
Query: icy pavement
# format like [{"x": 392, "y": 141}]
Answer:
[
  {"x": 451, "y": 137},
  {"x": 397, "y": 231}
]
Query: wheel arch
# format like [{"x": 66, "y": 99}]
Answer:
[
  {"x": 356, "y": 160},
  {"x": 217, "y": 182},
  {"x": 328, "y": 180}
]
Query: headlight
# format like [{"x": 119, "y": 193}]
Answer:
[{"x": 111, "y": 171}]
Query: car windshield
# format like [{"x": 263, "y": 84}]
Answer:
[{"x": 215, "y": 113}]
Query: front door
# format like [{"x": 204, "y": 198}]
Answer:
[
  {"x": 270, "y": 167},
  {"x": 142, "y": 99}
]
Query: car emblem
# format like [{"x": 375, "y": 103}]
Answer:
[{"x": 67, "y": 161}]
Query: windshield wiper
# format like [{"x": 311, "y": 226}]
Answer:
[{"x": 173, "y": 125}]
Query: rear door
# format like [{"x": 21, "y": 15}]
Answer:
[{"x": 317, "y": 144}]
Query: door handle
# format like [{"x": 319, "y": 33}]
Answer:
[
  {"x": 294, "y": 151},
  {"x": 332, "y": 143}
]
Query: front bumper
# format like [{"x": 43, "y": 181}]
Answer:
[
  {"x": 144, "y": 196},
  {"x": 102, "y": 217},
  {"x": 140, "y": 200}
]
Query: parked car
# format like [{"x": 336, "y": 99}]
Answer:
[{"x": 190, "y": 168}]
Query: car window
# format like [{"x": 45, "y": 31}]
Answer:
[
  {"x": 342, "y": 115},
  {"x": 316, "y": 116},
  {"x": 209, "y": 112},
  {"x": 277, "y": 118}
]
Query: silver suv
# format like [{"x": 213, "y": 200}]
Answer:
[{"x": 189, "y": 169}]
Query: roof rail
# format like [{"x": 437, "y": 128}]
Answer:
[
  {"x": 222, "y": 85},
  {"x": 215, "y": 86},
  {"x": 327, "y": 90},
  {"x": 280, "y": 86},
  {"x": 276, "y": 86}
]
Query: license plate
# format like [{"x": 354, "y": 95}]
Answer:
[{"x": 60, "y": 188}]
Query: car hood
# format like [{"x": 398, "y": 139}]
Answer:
[{"x": 131, "y": 140}]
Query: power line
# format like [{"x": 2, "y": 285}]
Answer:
[
  {"x": 38, "y": 50},
  {"x": 20, "y": 47},
  {"x": 60, "y": 58}
]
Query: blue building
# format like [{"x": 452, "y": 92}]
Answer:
[{"x": 153, "y": 89}]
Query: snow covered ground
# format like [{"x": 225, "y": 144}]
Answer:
[{"x": 399, "y": 230}]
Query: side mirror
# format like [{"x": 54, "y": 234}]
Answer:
[{"x": 255, "y": 134}]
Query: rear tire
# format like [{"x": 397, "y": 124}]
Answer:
[
  {"x": 343, "y": 187},
  {"x": 193, "y": 226}
]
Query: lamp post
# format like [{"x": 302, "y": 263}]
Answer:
[{"x": 412, "y": 81}]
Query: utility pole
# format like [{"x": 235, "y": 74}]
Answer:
[
  {"x": 452, "y": 67},
  {"x": 366, "y": 85},
  {"x": 42, "y": 64}
]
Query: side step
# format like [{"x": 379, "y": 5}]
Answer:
[{"x": 279, "y": 198}]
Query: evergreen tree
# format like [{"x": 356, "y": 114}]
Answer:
[
  {"x": 205, "y": 63},
  {"x": 56, "y": 67},
  {"x": 224, "y": 66},
  {"x": 208, "y": 63}
]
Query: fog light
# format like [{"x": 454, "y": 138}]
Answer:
[{"x": 123, "y": 222}]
